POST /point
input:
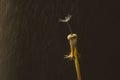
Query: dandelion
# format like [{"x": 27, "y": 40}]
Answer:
[{"x": 73, "y": 55}]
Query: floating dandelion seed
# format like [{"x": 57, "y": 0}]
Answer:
[{"x": 67, "y": 18}]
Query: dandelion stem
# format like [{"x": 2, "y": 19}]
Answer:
[{"x": 77, "y": 65}]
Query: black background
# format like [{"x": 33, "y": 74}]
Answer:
[{"x": 33, "y": 42}]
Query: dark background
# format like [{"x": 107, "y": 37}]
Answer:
[{"x": 33, "y": 43}]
